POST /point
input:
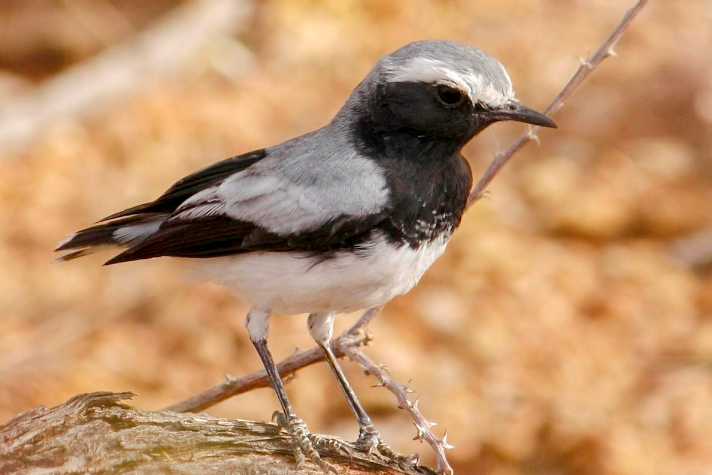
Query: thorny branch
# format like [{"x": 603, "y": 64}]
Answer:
[
  {"x": 287, "y": 367},
  {"x": 401, "y": 392},
  {"x": 585, "y": 69},
  {"x": 347, "y": 344}
]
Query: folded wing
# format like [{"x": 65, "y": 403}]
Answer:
[{"x": 253, "y": 202}]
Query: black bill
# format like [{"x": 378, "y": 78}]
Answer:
[{"x": 517, "y": 112}]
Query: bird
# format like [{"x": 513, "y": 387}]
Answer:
[{"x": 336, "y": 220}]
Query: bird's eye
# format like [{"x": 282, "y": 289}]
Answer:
[{"x": 450, "y": 96}]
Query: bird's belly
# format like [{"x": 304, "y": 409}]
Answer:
[{"x": 291, "y": 282}]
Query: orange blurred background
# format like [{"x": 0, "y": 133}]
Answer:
[{"x": 567, "y": 329}]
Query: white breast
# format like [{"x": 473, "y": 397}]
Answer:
[{"x": 291, "y": 282}]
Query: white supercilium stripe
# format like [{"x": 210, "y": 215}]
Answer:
[{"x": 473, "y": 84}]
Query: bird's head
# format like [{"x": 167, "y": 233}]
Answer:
[{"x": 443, "y": 90}]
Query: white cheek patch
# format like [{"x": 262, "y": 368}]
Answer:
[{"x": 428, "y": 70}]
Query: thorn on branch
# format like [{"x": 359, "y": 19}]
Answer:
[
  {"x": 585, "y": 63},
  {"x": 400, "y": 391},
  {"x": 367, "y": 337},
  {"x": 443, "y": 443},
  {"x": 532, "y": 136},
  {"x": 421, "y": 432}
]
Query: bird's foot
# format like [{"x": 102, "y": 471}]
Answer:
[
  {"x": 369, "y": 440},
  {"x": 305, "y": 442}
]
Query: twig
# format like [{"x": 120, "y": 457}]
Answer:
[
  {"x": 584, "y": 70},
  {"x": 411, "y": 407},
  {"x": 299, "y": 359}
]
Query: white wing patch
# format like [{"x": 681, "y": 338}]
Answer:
[
  {"x": 429, "y": 70},
  {"x": 293, "y": 197}
]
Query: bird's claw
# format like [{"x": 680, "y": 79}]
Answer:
[
  {"x": 305, "y": 442},
  {"x": 369, "y": 440}
]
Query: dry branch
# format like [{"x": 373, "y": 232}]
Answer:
[
  {"x": 287, "y": 367},
  {"x": 585, "y": 69},
  {"x": 97, "y": 433},
  {"x": 401, "y": 391}
]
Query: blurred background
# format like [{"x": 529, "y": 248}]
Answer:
[{"x": 567, "y": 329}]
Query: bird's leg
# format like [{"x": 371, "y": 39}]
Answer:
[
  {"x": 321, "y": 328},
  {"x": 257, "y": 323}
]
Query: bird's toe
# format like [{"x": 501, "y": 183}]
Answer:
[
  {"x": 369, "y": 440},
  {"x": 305, "y": 442}
]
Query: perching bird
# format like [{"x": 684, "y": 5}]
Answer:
[{"x": 340, "y": 219}]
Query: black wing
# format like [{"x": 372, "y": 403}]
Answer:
[
  {"x": 221, "y": 236},
  {"x": 211, "y": 175},
  {"x": 212, "y": 233}
]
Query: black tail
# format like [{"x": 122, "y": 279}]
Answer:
[{"x": 117, "y": 233}]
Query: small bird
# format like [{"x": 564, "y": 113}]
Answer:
[{"x": 340, "y": 219}]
